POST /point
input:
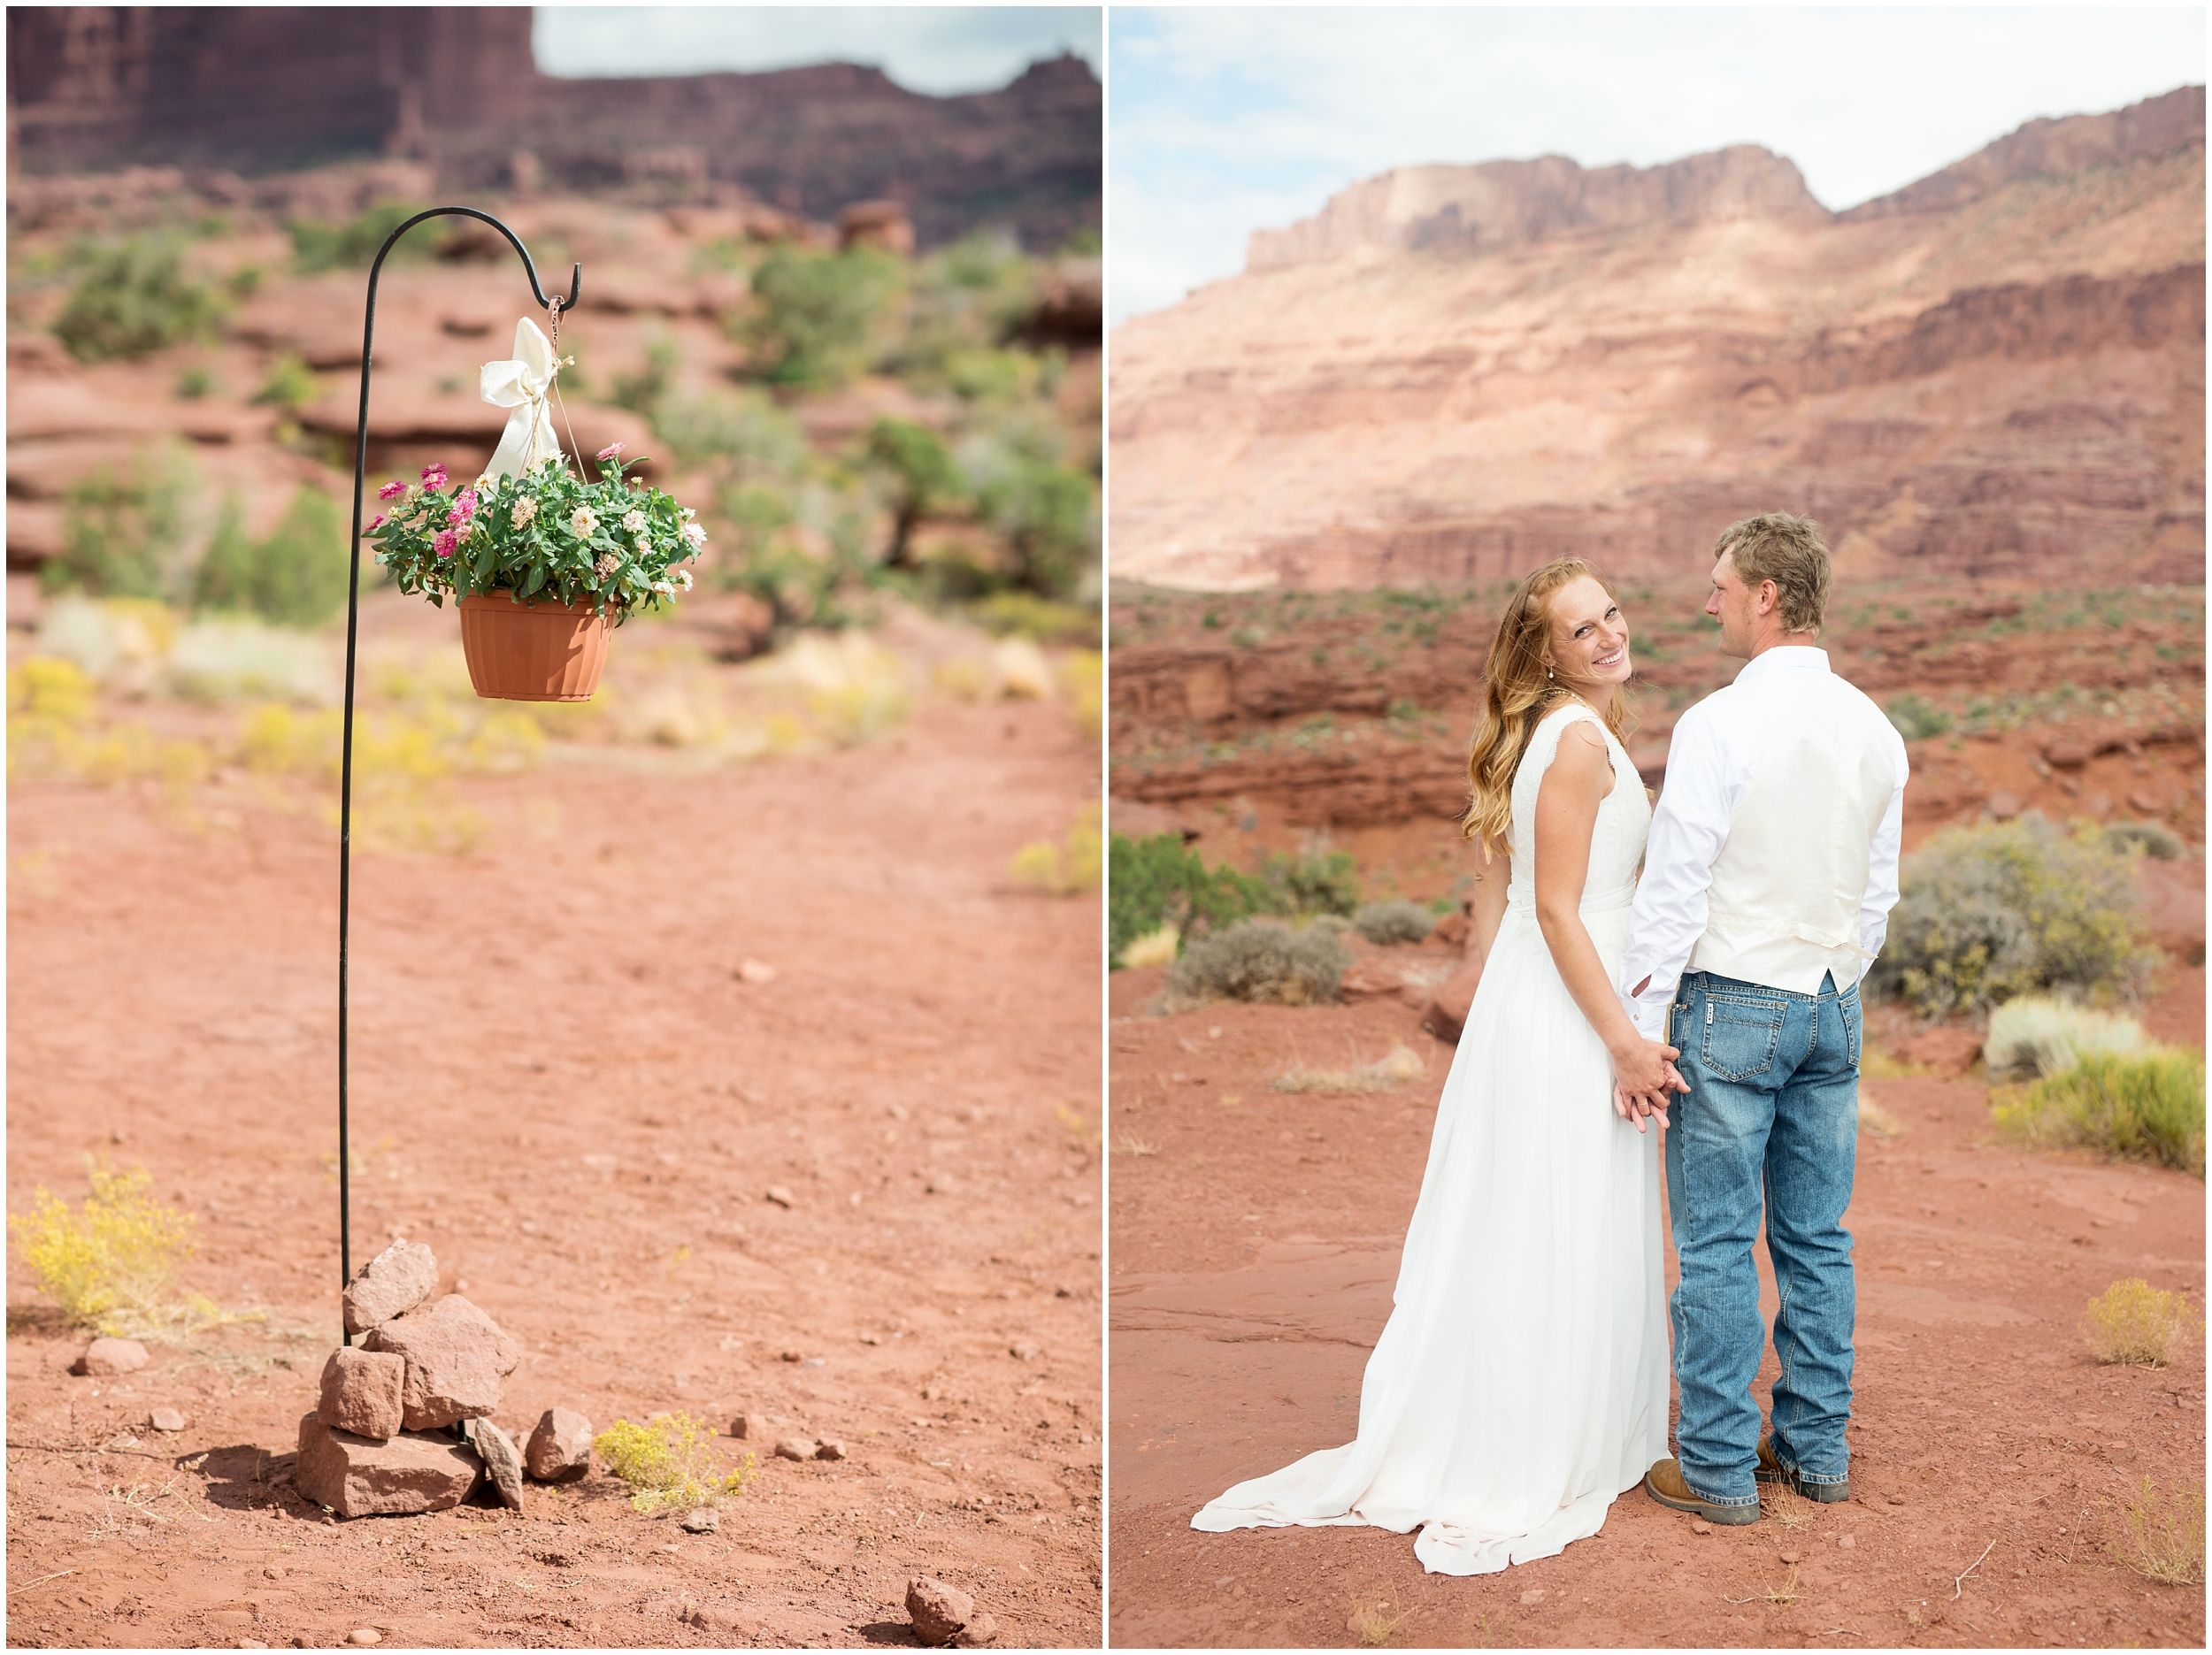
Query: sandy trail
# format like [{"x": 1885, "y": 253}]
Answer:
[
  {"x": 1256, "y": 1241},
  {"x": 560, "y": 1085}
]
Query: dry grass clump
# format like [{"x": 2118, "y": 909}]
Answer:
[
  {"x": 1261, "y": 961},
  {"x": 2149, "y": 1108},
  {"x": 2163, "y": 1534},
  {"x": 1154, "y": 947},
  {"x": 666, "y": 1460},
  {"x": 110, "y": 1262},
  {"x": 1875, "y": 1119},
  {"x": 1386, "y": 922},
  {"x": 1786, "y": 1506},
  {"x": 2135, "y": 1324},
  {"x": 1131, "y": 1145},
  {"x": 2046, "y": 1037},
  {"x": 1398, "y": 1064},
  {"x": 1372, "y": 1627}
]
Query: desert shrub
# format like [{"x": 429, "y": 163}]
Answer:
[
  {"x": 2149, "y": 1108},
  {"x": 1382, "y": 923},
  {"x": 290, "y": 382},
  {"x": 133, "y": 298},
  {"x": 50, "y": 690},
  {"x": 2047, "y": 1036},
  {"x": 1065, "y": 868},
  {"x": 352, "y": 245},
  {"x": 110, "y": 1259},
  {"x": 2162, "y": 1535},
  {"x": 2153, "y": 839},
  {"x": 643, "y": 391},
  {"x": 817, "y": 318},
  {"x": 2133, "y": 1324},
  {"x": 124, "y": 535},
  {"x": 1082, "y": 673},
  {"x": 1318, "y": 880},
  {"x": 1158, "y": 882},
  {"x": 1029, "y": 615},
  {"x": 744, "y": 436},
  {"x": 919, "y": 472},
  {"x": 1989, "y": 913},
  {"x": 229, "y": 658},
  {"x": 667, "y": 1462},
  {"x": 1046, "y": 511},
  {"x": 296, "y": 578},
  {"x": 1917, "y": 717},
  {"x": 1262, "y": 960}
]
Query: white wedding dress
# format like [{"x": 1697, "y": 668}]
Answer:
[{"x": 1521, "y": 1384}]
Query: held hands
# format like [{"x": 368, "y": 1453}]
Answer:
[{"x": 1643, "y": 1074}]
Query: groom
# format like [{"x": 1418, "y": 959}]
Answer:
[{"x": 1768, "y": 882}]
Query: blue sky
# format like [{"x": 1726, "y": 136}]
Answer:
[
  {"x": 1225, "y": 119},
  {"x": 938, "y": 50}
]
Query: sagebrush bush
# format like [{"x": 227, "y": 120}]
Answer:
[
  {"x": 294, "y": 577},
  {"x": 1154, "y": 947},
  {"x": 1993, "y": 912},
  {"x": 1382, "y": 923},
  {"x": 2045, "y": 1037},
  {"x": 1318, "y": 880},
  {"x": 125, "y": 534},
  {"x": 1261, "y": 960},
  {"x": 2154, "y": 840},
  {"x": 667, "y": 1462},
  {"x": 2148, "y": 1107},
  {"x": 2133, "y": 1324},
  {"x": 110, "y": 1260}
]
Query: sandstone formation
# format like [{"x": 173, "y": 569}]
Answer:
[
  {"x": 1452, "y": 375},
  {"x": 457, "y": 1356},
  {"x": 559, "y": 1450},
  {"x": 361, "y": 1392},
  {"x": 104, "y": 1358},
  {"x": 390, "y": 1284},
  {"x": 358, "y": 1476},
  {"x": 250, "y": 89}
]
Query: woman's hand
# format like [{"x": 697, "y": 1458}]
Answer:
[{"x": 1646, "y": 1068}]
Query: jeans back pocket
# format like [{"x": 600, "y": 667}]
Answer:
[{"x": 1741, "y": 1036}]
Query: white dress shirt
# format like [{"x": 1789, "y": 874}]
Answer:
[{"x": 1711, "y": 764}]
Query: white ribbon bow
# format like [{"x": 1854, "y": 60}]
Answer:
[{"x": 521, "y": 384}]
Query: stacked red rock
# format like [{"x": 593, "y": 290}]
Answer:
[{"x": 368, "y": 1446}]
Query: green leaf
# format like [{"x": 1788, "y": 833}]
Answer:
[{"x": 537, "y": 579}]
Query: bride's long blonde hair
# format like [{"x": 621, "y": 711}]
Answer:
[{"x": 1518, "y": 691}]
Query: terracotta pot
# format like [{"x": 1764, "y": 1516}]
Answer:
[{"x": 540, "y": 651}]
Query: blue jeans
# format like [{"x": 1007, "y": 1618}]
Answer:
[{"x": 1772, "y": 1112}]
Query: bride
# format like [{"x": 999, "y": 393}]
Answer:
[{"x": 1521, "y": 1384}]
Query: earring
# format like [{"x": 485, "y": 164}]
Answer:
[{"x": 1548, "y": 672}]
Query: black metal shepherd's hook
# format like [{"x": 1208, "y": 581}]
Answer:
[{"x": 353, "y": 619}]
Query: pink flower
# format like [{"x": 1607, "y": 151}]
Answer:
[
  {"x": 447, "y": 540},
  {"x": 612, "y": 451},
  {"x": 465, "y": 502},
  {"x": 378, "y": 523},
  {"x": 434, "y": 474},
  {"x": 391, "y": 488}
]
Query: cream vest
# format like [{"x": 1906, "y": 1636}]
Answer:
[{"x": 1789, "y": 880}]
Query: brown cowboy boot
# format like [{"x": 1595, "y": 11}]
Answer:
[
  {"x": 1664, "y": 1482},
  {"x": 1770, "y": 1470}
]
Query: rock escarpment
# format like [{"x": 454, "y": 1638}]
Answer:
[{"x": 1453, "y": 374}]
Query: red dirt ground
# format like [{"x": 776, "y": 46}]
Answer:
[
  {"x": 1256, "y": 1237},
  {"x": 560, "y": 1086}
]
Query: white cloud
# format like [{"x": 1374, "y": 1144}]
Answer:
[
  {"x": 942, "y": 50},
  {"x": 1219, "y": 114}
]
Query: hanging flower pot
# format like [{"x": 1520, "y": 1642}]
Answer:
[
  {"x": 543, "y": 564},
  {"x": 539, "y": 651}
]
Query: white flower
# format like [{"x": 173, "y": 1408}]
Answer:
[
  {"x": 689, "y": 513},
  {"x": 525, "y": 509},
  {"x": 693, "y": 532},
  {"x": 584, "y": 521},
  {"x": 644, "y": 547},
  {"x": 606, "y": 566},
  {"x": 634, "y": 521},
  {"x": 683, "y": 578},
  {"x": 663, "y": 586},
  {"x": 465, "y": 529}
]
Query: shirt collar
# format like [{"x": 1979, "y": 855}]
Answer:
[{"x": 1785, "y": 658}]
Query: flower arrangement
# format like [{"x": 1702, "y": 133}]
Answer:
[{"x": 613, "y": 545}]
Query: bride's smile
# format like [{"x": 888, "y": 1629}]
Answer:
[{"x": 1589, "y": 639}]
